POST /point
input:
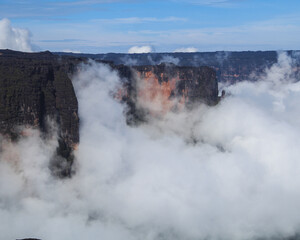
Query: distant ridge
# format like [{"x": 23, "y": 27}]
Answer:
[{"x": 231, "y": 66}]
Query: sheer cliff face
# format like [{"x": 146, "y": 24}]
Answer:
[
  {"x": 191, "y": 84},
  {"x": 158, "y": 89},
  {"x": 35, "y": 88}
]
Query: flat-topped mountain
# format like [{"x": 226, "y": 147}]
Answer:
[
  {"x": 229, "y": 66},
  {"x": 36, "y": 88}
]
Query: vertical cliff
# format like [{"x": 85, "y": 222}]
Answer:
[
  {"x": 195, "y": 84},
  {"x": 161, "y": 88},
  {"x": 35, "y": 88}
]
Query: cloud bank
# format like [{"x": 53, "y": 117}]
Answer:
[
  {"x": 224, "y": 172},
  {"x": 14, "y": 38},
  {"x": 140, "y": 49},
  {"x": 188, "y": 49}
]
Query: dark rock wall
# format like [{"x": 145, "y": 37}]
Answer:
[{"x": 34, "y": 88}]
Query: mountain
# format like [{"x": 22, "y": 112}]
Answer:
[
  {"x": 230, "y": 66},
  {"x": 36, "y": 91},
  {"x": 34, "y": 88}
]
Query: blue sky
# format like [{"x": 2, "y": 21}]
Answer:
[{"x": 100, "y": 26}]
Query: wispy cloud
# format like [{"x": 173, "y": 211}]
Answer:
[
  {"x": 62, "y": 40},
  {"x": 216, "y": 3},
  {"x": 106, "y": 25},
  {"x": 272, "y": 34},
  {"x": 187, "y": 49},
  {"x": 90, "y": 2},
  {"x": 137, "y": 20},
  {"x": 140, "y": 49},
  {"x": 50, "y": 9},
  {"x": 71, "y": 51}
]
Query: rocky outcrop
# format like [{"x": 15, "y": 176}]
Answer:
[{"x": 35, "y": 88}]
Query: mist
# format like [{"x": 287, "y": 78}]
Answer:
[
  {"x": 14, "y": 38},
  {"x": 140, "y": 49},
  {"x": 225, "y": 172},
  {"x": 186, "y": 50}
]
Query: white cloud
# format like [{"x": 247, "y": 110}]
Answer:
[
  {"x": 260, "y": 35},
  {"x": 136, "y": 20},
  {"x": 14, "y": 38},
  {"x": 215, "y": 3},
  {"x": 86, "y": 2},
  {"x": 71, "y": 51},
  {"x": 169, "y": 59},
  {"x": 188, "y": 49},
  {"x": 140, "y": 49}
]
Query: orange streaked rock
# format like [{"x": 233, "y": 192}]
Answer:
[{"x": 156, "y": 95}]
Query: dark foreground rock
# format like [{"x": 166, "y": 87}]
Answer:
[{"x": 35, "y": 90}]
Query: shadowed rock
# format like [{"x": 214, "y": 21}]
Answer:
[{"x": 35, "y": 87}]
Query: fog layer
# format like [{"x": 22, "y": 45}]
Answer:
[{"x": 224, "y": 172}]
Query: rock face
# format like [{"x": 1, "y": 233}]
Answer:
[
  {"x": 194, "y": 84},
  {"x": 34, "y": 88},
  {"x": 161, "y": 88}
]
